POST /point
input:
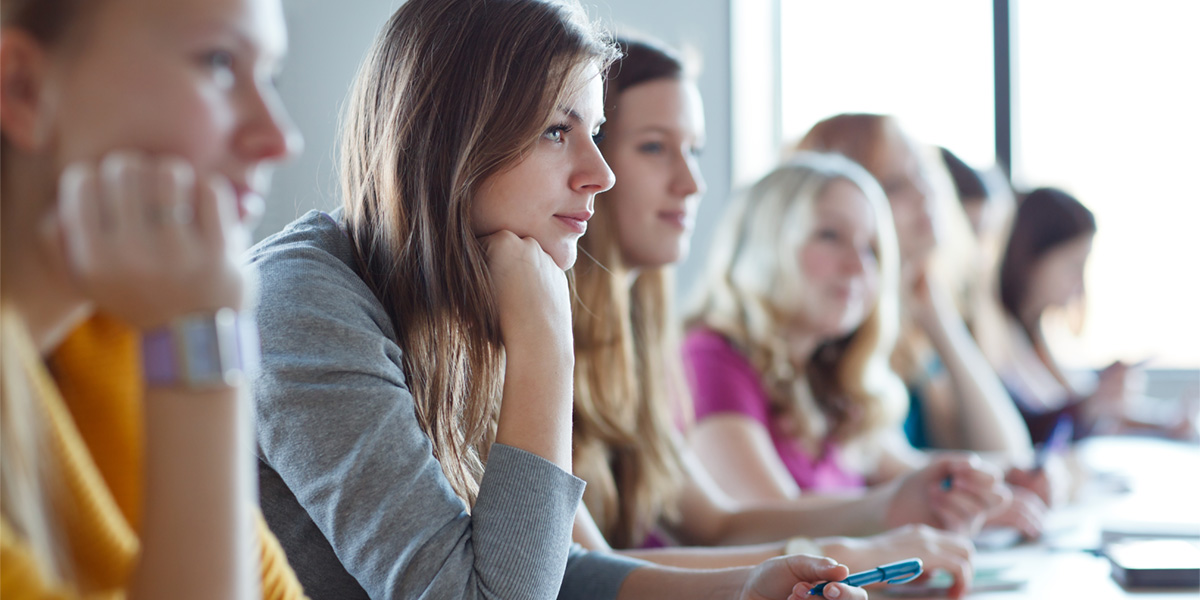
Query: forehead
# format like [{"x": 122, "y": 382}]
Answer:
[
  {"x": 843, "y": 201},
  {"x": 585, "y": 94},
  {"x": 256, "y": 22},
  {"x": 666, "y": 103}
]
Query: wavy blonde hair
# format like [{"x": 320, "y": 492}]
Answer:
[
  {"x": 629, "y": 389},
  {"x": 854, "y": 392},
  {"x": 452, "y": 92}
]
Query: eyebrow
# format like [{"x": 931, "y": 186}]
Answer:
[{"x": 574, "y": 115}]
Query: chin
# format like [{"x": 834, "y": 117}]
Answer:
[{"x": 565, "y": 257}]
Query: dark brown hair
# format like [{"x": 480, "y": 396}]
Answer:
[
  {"x": 1046, "y": 219},
  {"x": 452, "y": 92}
]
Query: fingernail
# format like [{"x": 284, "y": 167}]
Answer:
[{"x": 833, "y": 591}]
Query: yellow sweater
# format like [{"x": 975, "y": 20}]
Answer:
[{"x": 95, "y": 443}]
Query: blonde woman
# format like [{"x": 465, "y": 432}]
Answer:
[
  {"x": 133, "y": 134},
  {"x": 956, "y": 400},
  {"x": 643, "y": 485},
  {"x": 415, "y": 398}
]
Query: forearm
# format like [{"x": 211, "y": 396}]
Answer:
[
  {"x": 986, "y": 417},
  {"x": 707, "y": 557},
  {"x": 807, "y": 517},
  {"x": 197, "y": 535},
  {"x": 535, "y": 415},
  {"x": 669, "y": 583}
]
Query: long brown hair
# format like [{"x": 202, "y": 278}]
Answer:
[
  {"x": 452, "y": 92},
  {"x": 853, "y": 392},
  {"x": 1046, "y": 219},
  {"x": 627, "y": 384}
]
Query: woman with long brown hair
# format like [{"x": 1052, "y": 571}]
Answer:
[
  {"x": 134, "y": 134},
  {"x": 630, "y": 399},
  {"x": 415, "y": 398}
]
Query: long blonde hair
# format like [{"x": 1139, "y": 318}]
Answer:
[
  {"x": 864, "y": 139},
  {"x": 452, "y": 92},
  {"x": 26, "y": 477},
  {"x": 852, "y": 387},
  {"x": 629, "y": 392}
]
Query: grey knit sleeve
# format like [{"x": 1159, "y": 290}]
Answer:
[{"x": 337, "y": 423}]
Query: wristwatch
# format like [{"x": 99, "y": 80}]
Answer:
[{"x": 202, "y": 350}]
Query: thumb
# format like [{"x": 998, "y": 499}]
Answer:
[{"x": 812, "y": 568}]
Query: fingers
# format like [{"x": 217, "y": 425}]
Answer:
[
  {"x": 979, "y": 480},
  {"x": 838, "y": 591},
  {"x": 812, "y": 568},
  {"x": 1027, "y": 513},
  {"x": 80, "y": 215},
  {"x": 143, "y": 241},
  {"x": 1034, "y": 480}
]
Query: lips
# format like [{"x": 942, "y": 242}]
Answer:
[
  {"x": 675, "y": 218},
  {"x": 575, "y": 221},
  {"x": 249, "y": 203}
]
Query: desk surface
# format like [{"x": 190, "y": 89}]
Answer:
[{"x": 1163, "y": 488}]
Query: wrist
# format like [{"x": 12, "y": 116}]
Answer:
[{"x": 199, "y": 351}]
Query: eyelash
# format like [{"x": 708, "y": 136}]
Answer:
[
  {"x": 218, "y": 59},
  {"x": 556, "y": 132}
]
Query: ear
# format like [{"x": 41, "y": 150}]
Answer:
[{"x": 22, "y": 73}]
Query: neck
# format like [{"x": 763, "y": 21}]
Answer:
[
  {"x": 36, "y": 281},
  {"x": 801, "y": 345}
]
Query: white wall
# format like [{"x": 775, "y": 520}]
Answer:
[{"x": 329, "y": 39}]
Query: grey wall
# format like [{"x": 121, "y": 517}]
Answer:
[{"x": 328, "y": 40}]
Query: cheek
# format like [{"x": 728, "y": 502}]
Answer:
[
  {"x": 818, "y": 264},
  {"x": 159, "y": 115}
]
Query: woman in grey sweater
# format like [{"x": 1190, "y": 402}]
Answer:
[{"x": 414, "y": 401}]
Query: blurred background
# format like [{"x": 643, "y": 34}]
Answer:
[{"x": 1100, "y": 98}]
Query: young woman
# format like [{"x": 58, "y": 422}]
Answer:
[
  {"x": 957, "y": 400},
  {"x": 135, "y": 135},
  {"x": 1042, "y": 269},
  {"x": 415, "y": 399},
  {"x": 627, "y": 390}
]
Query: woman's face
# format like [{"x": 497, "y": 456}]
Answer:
[
  {"x": 1057, "y": 277},
  {"x": 903, "y": 180},
  {"x": 192, "y": 79},
  {"x": 653, "y": 144},
  {"x": 839, "y": 271},
  {"x": 549, "y": 194}
]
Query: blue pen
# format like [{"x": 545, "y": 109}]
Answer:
[
  {"x": 1060, "y": 437},
  {"x": 898, "y": 572}
]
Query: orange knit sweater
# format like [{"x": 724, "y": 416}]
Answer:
[{"x": 95, "y": 441}]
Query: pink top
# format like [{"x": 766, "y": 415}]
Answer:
[{"x": 723, "y": 381}]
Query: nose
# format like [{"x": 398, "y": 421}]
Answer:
[
  {"x": 591, "y": 174},
  {"x": 688, "y": 180},
  {"x": 855, "y": 263},
  {"x": 268, "y": 133}
]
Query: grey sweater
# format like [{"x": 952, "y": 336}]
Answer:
[{"x": 348, "y": 479}]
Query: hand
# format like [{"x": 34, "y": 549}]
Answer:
[
  {"x": 938, "y": 550},
  {"x": 1051, "y": 483},
  {"x": 1026, "y": 513},
  {"x": 531, "y": 293},
  {"x": 976, "y": 490},
  {"x": 790, "y": 577},
  {"x": 1114, "y": 387},
  {"x": 146, "y": 242}
]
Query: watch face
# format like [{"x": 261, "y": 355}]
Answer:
[{"x": 202, "y": 352}]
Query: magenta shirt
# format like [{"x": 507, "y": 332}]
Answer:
[{"x": 723, "y": 381}]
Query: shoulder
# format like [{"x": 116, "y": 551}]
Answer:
[
  {"x": 722, "y": 379},
  {"x": 306, "y": 276}
]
